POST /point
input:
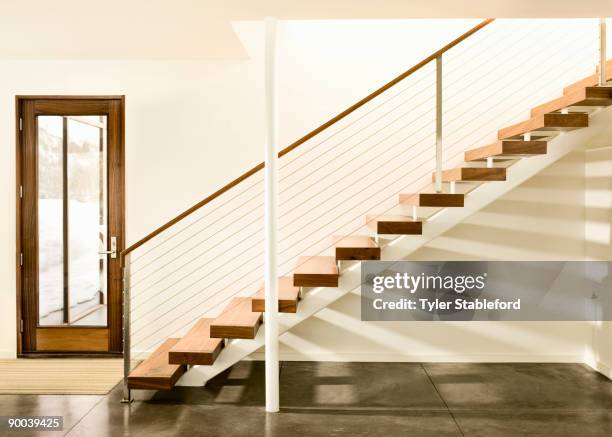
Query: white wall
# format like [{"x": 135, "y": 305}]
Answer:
[
  {"x": 598, "y": 240},
  {"x": 194, "y": 125},
  {"x": 191, "y": 126},
  {"x": 178, "y": 147}
]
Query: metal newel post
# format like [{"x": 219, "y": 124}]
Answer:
[
  {"x": 438, "y": 176},
  {"x": 602, "y": 52},
  {"x": 127, "y": 396},
  {"x": 271, "y": 200}
]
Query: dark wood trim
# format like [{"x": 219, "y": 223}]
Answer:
[
  {"x": 68, "y": 97},
  {"x": 29, "y": 226},
  {"x": 52, "y": 339},
  {"x": 116, "y": 219},
  {"x": 72, "y": 107},
  {"x": 27, "y": 307},
  {"x": 68, "y": 355},
  {"x": 18, "y": 181},
  {"x": 308, "y": 136},
  {"x": 71, "y": 327}
]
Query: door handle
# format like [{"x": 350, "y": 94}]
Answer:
[{"x": 113, "y": 251}]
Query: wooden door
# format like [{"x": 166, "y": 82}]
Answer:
[{"x": 70, "y": 224}]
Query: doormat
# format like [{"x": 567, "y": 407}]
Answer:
[{"x": 60, "y": 376}]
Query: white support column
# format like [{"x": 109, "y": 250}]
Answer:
[
  {"x": 489, "y": 162},
  {"x": 602, "y": 52},
  {"x": 271, "y": 200},
  {"x": 438, "y": 176}
]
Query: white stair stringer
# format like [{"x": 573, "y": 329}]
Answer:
[
  {"x": 488, "y": 192},
  {"x": 316, "y": 299}
]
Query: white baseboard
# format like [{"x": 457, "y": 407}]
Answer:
[
  {"x": 424, "y": 358},
  {"x": 418, "y": 358},
  {"x": 600, "y": 367},
  {"x": 596, "y": 365},
  {"x": 6, "y": 354}
]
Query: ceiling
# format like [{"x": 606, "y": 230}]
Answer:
[{"x": 202, "y": 29}]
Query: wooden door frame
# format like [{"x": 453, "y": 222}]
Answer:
[{"x": 117, "y": 220}]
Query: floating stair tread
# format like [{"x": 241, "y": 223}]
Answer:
[
  {"x": 589, "y": 96},
  {"x": 432, "y": 199},
  {"x": 237, "y": 320},
  {"x": 288, "y": 296},
  {"x": 316, "y": 271},
  {"x": 155, "y": 373},
  {"x": 356, "y": 247},
  {"x": 395, "y": 225},
  {"x": 196, "y": 347},
  {"x": 591, "y": 80},
  {"x": 473, "y": 174},
  {"x": 546, "y": 122},
  {"x": 502, "y": 149}
]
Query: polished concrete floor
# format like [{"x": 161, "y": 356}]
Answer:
[{"x": 351, "y": 399}]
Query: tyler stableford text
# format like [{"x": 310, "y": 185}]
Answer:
[
  {"x": 453, "y": 284},
  {"x": 433, "y": 305}
]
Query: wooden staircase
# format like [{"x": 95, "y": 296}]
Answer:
[
  {"x": 288, "y": 297},
  {"x": 156, "y": 372},
  {"x": 443, "y": 200},
  {"x": 394, "y": 225},
  {"x": 316, "y": 271},
  {"x": 242, "y": 317},
  {"x": 473, "y": 174},
  {"x": 196, "y": 347},
  {"x": 507, "y": 149},
  {"x": 238, "y": 320},
  {"x": 356, "y": 247}
]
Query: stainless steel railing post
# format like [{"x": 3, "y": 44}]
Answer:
[
  {"x": 438, "y": 175},
  {"x": 602, "y": 52},
  {"x": 127, "y": 395}
]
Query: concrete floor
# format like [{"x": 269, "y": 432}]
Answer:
[{"x": 353, "y": 399}]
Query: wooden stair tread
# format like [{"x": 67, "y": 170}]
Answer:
[
  {"x": 546, "y": 122},
  {"x": 356, "y": 247},
  {"x": 196, "y": 347},
  {"x": 395, "y": 225},
  {"x": 237, "y": 320},
  {"x": 316, "y": 271},
  {"x": 591, "y": 80},
  {"x": 432, "y": 199},
  {"x": 288, "y": 296},
  {"x": 507, "y": 148},
  {"x": 155, "y": 373},
  {"x": 589, "y": 96},
  {"x": 473, "y": 174}
]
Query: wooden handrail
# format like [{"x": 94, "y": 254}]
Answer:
[{"x": 308, "y": 136}]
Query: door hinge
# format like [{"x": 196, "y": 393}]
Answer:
[
  {"x": 21, "y": 325},
  {"x": 21, "y": 259},
  {"x": 20, "y": 123},
  {"x": 21, "y": 191}
]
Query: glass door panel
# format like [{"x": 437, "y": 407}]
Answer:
[
  {"x": 73, "y": 224},
  {"x": 50, "y": 220}
]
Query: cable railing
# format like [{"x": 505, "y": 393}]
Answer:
[{"x": 352, "y": 166}]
